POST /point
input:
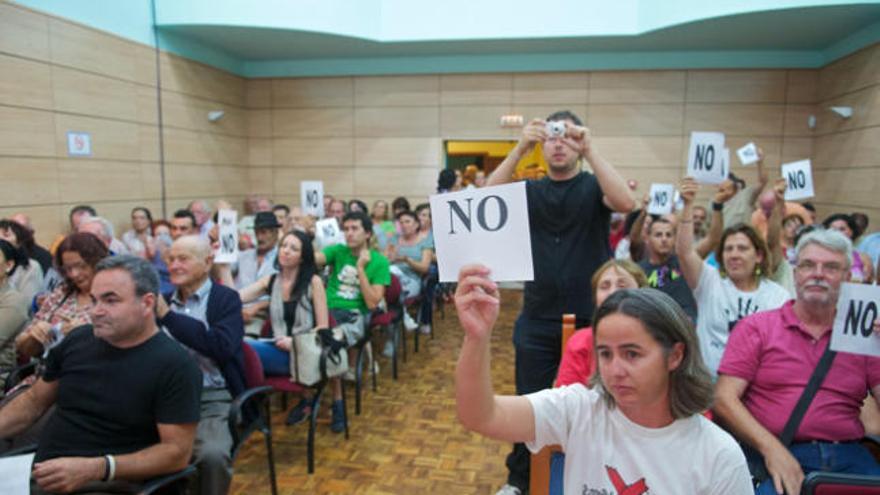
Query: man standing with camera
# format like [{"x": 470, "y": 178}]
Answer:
[{"x": 569, "y": 215}]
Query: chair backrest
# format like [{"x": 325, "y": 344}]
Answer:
[
  {"x": 392, "y": 291},
  {"x": 253, "y": 368},
  {"x": 568, "y": 328},
  {"x": 819, "y": 483}
]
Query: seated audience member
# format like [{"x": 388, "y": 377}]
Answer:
[
  {"x": 206, "y": 319},
  {"x": 139, "y": 241},
  {"x": 328, "y": 198},
  {"x": 336, "y": 210},
  {"x": 162, "y": 235},
  {"x": 480, "y": 179},
  {"x": 13, "y": 306},
  {"x": 578, "y": 360},
  {"x": 446, "y": 181},
  {"x": 68, "y": 306},
  {"x": 357, "y": 205},
  {"x": 295, "y": 220},
  {"x": 297, "y": 304},
  {"x": 410, "y": 257},
  {"x": 399, "y": 205},
  {"x": 701, "y": 223},
  {"x": 767, "y": 202},
  {"x": 102, "y": 229},
  {"x": 639, "y": 232},
  {"x": 31, "y": 248},
  {"x": 202, "y": 214},
  {"x": 769, "y": 360},
  {"x": 860, "y": 219},
  {"x": 183, "y": 223},
  {"x": 811, "y": 212},
  {"x": 431, "y": 279},
  {"x": 622, "y": 251},
  {"x": 355, "y": 286},
  {"x": 742, "y": 198},
  {"x": 281, "y": 212},
  {"x": 255, "y": 264},
  {"x": 661, "y": 266},
  {"x": 77, "y": 213},
  {"x": 738, "y": 288},
  {"x": 28, "y": 279},
  {"x": 647, "y": 394},
  {"x": 126, "y": 394},
  {"x": 383, "y": 228},
  {"x": 778, "y": 232},
  {"x": 862, "y": 269}
]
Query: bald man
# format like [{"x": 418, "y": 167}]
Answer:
[{"x": 206, "y": 318}]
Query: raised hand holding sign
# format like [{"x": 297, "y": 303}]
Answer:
[
  {"x": 798, "y": 180},
  {"x": 661, "y": 199},
  {"x": 311, "y": 193},
  {"x": 227, "y": 238},
  {"x": 708, "y": 159},
  {"x": 856, "y": 325}
]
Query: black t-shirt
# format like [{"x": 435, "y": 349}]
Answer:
[
  {"x": 569, "y": 225},
  {"x": 667, "y": 278},
  {"x": 110, "y": 400}
]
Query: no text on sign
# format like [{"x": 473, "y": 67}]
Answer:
[
  {"x": 853, "y": 330},
  {"x": 79, "y": 143},
  {"x": 488, "y": 226}
]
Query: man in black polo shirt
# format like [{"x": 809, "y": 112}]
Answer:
[
  {"x": 569, "y": 215},
  {"x": 127, "y": 395}
]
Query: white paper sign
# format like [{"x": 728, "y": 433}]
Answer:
[
  {"x": 662, "y": 199},
  {"x": 706, "y": 158},
  {"x": 798, "y": 180},
  {"x": 227, "y": 252},
  {"x": 489, "y": 226},
  {"x": 853, "y": 330},
  {"x": 15, "y": 474},
  {"x": 328, "y": 233},
  {"x": 311, "y": 194},
  {"x": 748, "y": 154},
  {"x": 79, "y": 144}
]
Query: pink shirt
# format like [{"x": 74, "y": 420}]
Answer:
[
  {"x": 776, "y": 355},
  {"x": 577, "y": 361}
]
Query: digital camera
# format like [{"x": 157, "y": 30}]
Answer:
[{"x": 555, "y": 128}]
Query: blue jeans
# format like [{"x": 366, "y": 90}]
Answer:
[
  {"x": 851, "y": 458},
  {"x": 275, "y": 361}
]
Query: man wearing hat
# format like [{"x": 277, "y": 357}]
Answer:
[{"x": 253, "y": 264}]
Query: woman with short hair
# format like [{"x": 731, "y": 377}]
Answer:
[
  {"x": 862, "y": 269},
  {"x": 644, "y": 407}
]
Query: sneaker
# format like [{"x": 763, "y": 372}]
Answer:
[
  {"x": 337, "y": 423},
  {"x": 349, "y": 375},
  {"x": 409, "y": 323},
  {"x": 299, "y": 413},
  {"x": 389, "y": 349},
  {"x": 425, "y": 329},
  {"x": 509, "y": 489},
  {"x": 375, "y": 367}
]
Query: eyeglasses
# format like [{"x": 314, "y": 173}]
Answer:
[{"x": 808, "y": 266}]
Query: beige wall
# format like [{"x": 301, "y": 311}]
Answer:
[
  {"x": 379, "y": 137},
  {"x": 57, "y": 76},
  {"x": 847, "y": 152}
]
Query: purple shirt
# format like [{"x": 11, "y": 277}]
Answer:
[{"x": 774, "y": 353}]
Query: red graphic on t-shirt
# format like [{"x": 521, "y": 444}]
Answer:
[{"x": 637, "y": 488}]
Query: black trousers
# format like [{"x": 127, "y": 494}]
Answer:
[{"x": 537, "y": 345}]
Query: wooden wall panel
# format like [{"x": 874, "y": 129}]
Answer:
[
  {"x": 25, "y": 132},
  {"x": 85, "y": 93},
  {"x": 313, "y": 151},
  {"x": 636, "y": 120},
  {"x": 29, "y": 181},
  {"x": 184, "y": 146},
  {"x": 736, "y": 86},
  {"x": 857, "y": 71},
  {"x": 312, "y": 122},
  {"x": 338, "y": 181},
  {"x": 90, "y": 50},
  {"x": 313, "y": 92},
  {"x": 866, "y": 111},
  {"x": 260, "y": 151},
  {"x": 392, "y": 91},
  {"x": 199, "y": 80},
  {"x": 637, "y": 87},
  {"x": 478, "y": 122},
  {"x": 188, "y": 112},
  {"x": 396, "y": 121},
  {"x": 83, "y": 181},
  {"x": 392, "y": 151},
  {"x": 23, "y": 32},
  {"x": 199, "y": 180},
  {"x": 562, "y": 88},
  {"x": 25, "y": 83},
  {"x": 258, "y": 93},
  {"x": 111, "y": 139},
  {"x": 740, "y": 120},
  {"x": 476, "y": 89},
  {"x": 802, "y": 86}
]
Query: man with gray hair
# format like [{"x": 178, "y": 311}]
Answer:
[
  {"x": 101, "y": 228},
  {"x": 127, "y": 395},
  {"x": 768, "y": 361}
]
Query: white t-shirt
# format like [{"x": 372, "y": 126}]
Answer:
[
  {"x": 606, "y": 453},
  {"x": 721, "y": 305}
]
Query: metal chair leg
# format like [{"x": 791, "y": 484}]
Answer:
[
  {"x": 358, "y": 376},
  {"x": 313, "y": 424},
  {"x": 344, "y": 408},
  {"x": 395, "y": 340}
]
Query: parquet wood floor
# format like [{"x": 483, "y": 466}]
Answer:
[{"x": 407, "y": 440}]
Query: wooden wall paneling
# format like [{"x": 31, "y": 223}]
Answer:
[
  {"x": 381, "y": 152},
  {"x": 23, "y": 32},
  {"x": 772, "y": 147},
  {"x": 83, "y": 181},
  {"x": 188, "y": 112},
  {"x": 794, "y": 149},
  {"x": 48, "y": 220},
  {"x": 261, "y": 180},
  {"x": 640, "y": 151},
  {"x": 151, "y": 181},
  {"x": 338, "y": 181},
  {"x": 396, "y": 121},
  {"x": 856, "y": 187},
  {"x": 148, "y": 138},
  {"x": 111, "y": 139},
  {"x": 802, "y": 86},
  {"x": 259, "y": 123},
  {"x": 736, "y": 86},
  {"x": 476, "y": 89},
  {"x": 25, "y": 132},
  {"x": 636, "y": 120},
  {"x": 85, "y": 93},
  {"x": 196, "y": 79},
  {"x": 25, "y": 83},
  {"x": 147, "y": 105},
  {"x": 855, "y": 149},
  {"x": 483, "y": 122},
  {"x": 119, "y": 212},
  {"x": 260, "y": 151},
  {"x": 850, "y": 73},
  {"x": 258, "y": 93},
  {"x": 551, "y": 88},
  {"x": 313, "y": 151},
  {"x": 392, "y": 91},
  {"x": 183, "y": 146},
  {"x": 409, "y": 180},
  {"x": 866, "y": 111},
  {"x": 313, "y": 92},
  {"x": 738, "y": 119},
  {"x": 796, "y": 120},
  {"x": 312, "y": 122},
  {"x": 184, "y": 180},
  {"x": 29, "y": 181},
  {"x": 90, "y": 50},
  {"x": 535, "y": 111},
  {"x": 637, "y": 87}
]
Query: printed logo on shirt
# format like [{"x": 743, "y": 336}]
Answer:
[
  {"x": 349, "y": 285},
  {"x": 662, "y": 276},
  {"x": 745, "y": 306},
  {"x": 621, "y": 487}
]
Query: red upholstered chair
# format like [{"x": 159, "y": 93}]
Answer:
[
  {"x": 249, "y": 412},
  {"x": 819, "y": 483}
]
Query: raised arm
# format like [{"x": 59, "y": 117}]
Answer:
[
  {"x": 506, "y": 418},
  {"x": 782, "y": 466},
  {"x": 533, "y": 133},
  {"x": 636, "y": 241},
  {"x": 716, "y": 226},
  {"x": 688, "y": 259},
  {"x": 255, "y": 290},
  {"x": 616, "y": 192},
  {"x": 774, "y": 226},
  {"x": 762, "y": 177}
]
